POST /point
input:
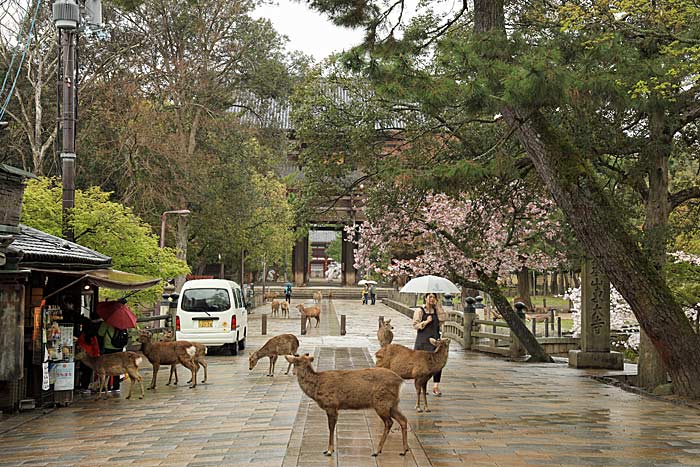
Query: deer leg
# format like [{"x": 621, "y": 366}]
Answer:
[
  {"x": 155, "y": 375},
  {"x": 269, "y": 366},
  {"x": 196, "y": 364},
  {"x": 99, "y": 390},
  {"x": 136, "y": 376},
  {"x": 203, "y": 362},
  {"x": 424, "y": 388},
  {"x": 193, "y": 368},
  {"x": 273, "y": 360},
  {"x": 173, "y": 369},
  {"x": 332, "y": 420},
  {"x": 386, "y": 418},
  {"x": 417, "y": 384},
  {"x": 318, "y": 320},
  {"x": 288, "y": 368},
  {"x": 399, "y": 417},
  {"x": 131, "y": 386}
]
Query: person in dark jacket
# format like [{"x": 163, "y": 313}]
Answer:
[{"x": 426, "y": 321}]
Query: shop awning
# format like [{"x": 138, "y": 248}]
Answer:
[{"x": 109, "y": 278}]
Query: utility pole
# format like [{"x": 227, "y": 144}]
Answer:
[{"x": 66, "y": 17}]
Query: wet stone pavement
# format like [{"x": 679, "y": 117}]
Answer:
[{"x": 493, "y": 413}]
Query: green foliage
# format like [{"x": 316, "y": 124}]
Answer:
[
  {"x": 107, "y": 227},
  {"x": 334, "y": 249}
]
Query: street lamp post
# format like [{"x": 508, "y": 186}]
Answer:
[{"x": 163, "y": 216}]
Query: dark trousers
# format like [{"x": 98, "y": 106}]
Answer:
[
  {"x": 373, "y": 297},
  {"x": 288, "y": 298},
  {"x": 115, "y": 379},
  {"x": 437, "y": 376}
]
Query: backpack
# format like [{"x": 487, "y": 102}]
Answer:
[
  {"x": 120, "y": 338},
  {"x": 288, "y": 290}
]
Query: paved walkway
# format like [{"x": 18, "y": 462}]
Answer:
[{"x": 493, "y": 413}]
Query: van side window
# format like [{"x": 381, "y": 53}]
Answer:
[
  {"x": 236, "y": 298},
  {"x": 239, "y": 298}
]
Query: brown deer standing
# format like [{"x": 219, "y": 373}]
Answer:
[
  {"x": 336, "y": 390},
  {"x": 284, "y": 344},
  {"x": 114, "y": 364},
  {"x": 384, "y": 334},
  {"x": 310, "y": 312},
  {"x": 168, "y": 353},
  {"x": 418, "y": 365},
  {"x": 275, "y": 305},
  {"x": 284, "y": 306},
  {"x": 199, "y": 360}
]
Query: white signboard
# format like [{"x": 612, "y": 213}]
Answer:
[
  {"x": 64, "y": 373},
  {"x": 45, "y": 380}
]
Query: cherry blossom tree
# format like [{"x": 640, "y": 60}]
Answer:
[{"x": 474, "y": 240}]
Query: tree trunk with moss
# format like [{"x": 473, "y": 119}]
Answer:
[{"x": 599, "y": 228}]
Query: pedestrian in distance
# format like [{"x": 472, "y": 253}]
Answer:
[
  {"x": 288, "y": 293},
  {"x": 373, "y": 293},
  {"x": 365, "y": 294},
  {"x": 426, "y": 321}
]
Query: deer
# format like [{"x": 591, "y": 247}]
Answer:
[
  {"x": 418, "y": 365},
  {"x": 318, "y": 296},
  {"x": 384, "y": 334},
  {"x": 284, "y": 306},
  {"x": 334, "y": 390},
  {"x": 114, "y": 364},
  {"x": 310, "y": 312},
  {"x": 199, "y": 360},
  {"x": 270, "y": 296},
  {"x": 168, "y": 353},
  {"x": 284, "y": 344},
  {"x": 275, "y": 305}
]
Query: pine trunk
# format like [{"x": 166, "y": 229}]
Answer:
[
  {"x": 598, "y": 228},
  {"x": 517, "y": 325},
  {"x": 651, "y": 371}
]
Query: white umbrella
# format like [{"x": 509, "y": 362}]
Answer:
[
  {"x": 430, "y": 284},
  {"x": 366, "y": 281}
]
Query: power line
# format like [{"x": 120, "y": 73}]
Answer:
[{"x": 19, "y": 67}]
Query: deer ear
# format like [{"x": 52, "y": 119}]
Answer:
[
  {"x": 289, "y": 358},
  {"x": 311, "y": 359},
  {"x": 387, "y": 321},
  {"x": 433, "y": 341}
]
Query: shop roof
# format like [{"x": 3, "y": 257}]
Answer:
[
  {"x": 15, "y": 171},
  {"x": 109, "y": 278},
  {"x": 41, "y": 249}
]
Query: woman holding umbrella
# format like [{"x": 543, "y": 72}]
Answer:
[
  {"x": 112, "y": 332},
  {"x": 426, "y": 321}
]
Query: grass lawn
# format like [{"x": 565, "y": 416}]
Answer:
[{"x": 557, "y": 302}]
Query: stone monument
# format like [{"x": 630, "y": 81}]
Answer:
[{"x": 595, "y": 322}]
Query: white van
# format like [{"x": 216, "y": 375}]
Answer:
[{"x": 212, "y": 312}]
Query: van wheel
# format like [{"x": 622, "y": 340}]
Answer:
[
  {"x": 241, "y": 344},
  {"x": 233, "y": 348}
]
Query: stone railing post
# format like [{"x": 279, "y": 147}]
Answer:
[
  {"x": 468, "y": 321},
  {"x": 516, "y": 348}
]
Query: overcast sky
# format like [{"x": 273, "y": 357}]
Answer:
[{"x": 308, "y": 30}]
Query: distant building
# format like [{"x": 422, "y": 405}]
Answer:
[{"x": 320, "y": 240}]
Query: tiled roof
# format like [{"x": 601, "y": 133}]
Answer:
[
  {"x": 323, "y": 236},
  {"x": 276, "y": 114},
  {"x": 41, "y": 248}
]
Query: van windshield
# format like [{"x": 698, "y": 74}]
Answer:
[{"x": 205, "y": 300}]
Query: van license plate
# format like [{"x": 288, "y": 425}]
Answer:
[{"x": 208, "y": 323}]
